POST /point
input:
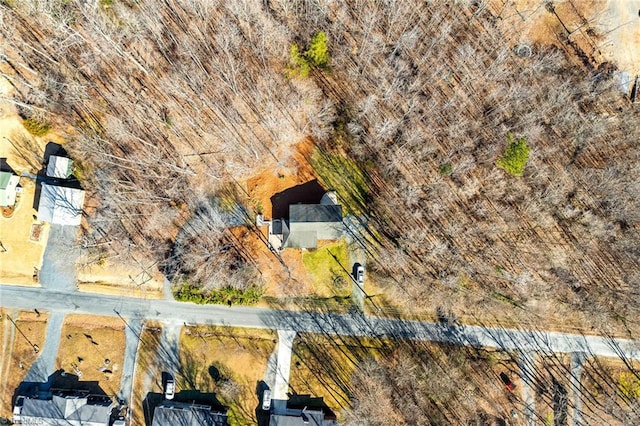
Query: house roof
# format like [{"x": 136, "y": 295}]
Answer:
[
  {"x": 315, "y": 213},
  {"x": 66, "y": 410},
  {"x": 178, "y": 414},
  {"x": 8, "y": 184},
  {"x": 59, "y": 167},
  {"x": 60, "y": 205},
  {"x": 306, "y": 417}
]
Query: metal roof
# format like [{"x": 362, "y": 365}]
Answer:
[
  {"x": 59, "y": 167},
  {"x": 60, "y": 205}
]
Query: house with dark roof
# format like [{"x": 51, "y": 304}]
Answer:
[
  {"x": 172, "y": 413},
  {"x": 303, "y": 417},
  {"x": 307, "y": 224},
  {"x": 68, "y": 409}
]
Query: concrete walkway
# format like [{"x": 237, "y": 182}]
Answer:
[
  {"x": 45, "y": 365},
  {"x": 281, "y": 388}
]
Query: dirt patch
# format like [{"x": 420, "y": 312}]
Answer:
[
  {"x": 93, "y": 347},
  {"x": 118, "y": 278},
  {"x": 227, "y": 362},
  {"x": 592, "y": 31},
  {"x": 619, "y": 23},
  {"x": 269, "y": 182},
  {"x": 17, "y": 351}
]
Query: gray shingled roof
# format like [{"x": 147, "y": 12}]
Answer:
[
  {"x": 298, "y": 418},
  {"x": 67, "y": 411},
  {"x": 315, "y": 213},
  {"x": 180, "y": 414}
]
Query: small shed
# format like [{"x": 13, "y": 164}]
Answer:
[
  {"x": 8, "y": 188},
  {"x": 59, "y": 167}
]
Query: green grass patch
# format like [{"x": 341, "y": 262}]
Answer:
[
  {"x": 222, "y": 296},
  {"x": 36, "y": 127},
  {"x": 330, "y": 269},
  {"x": 342, "y": 175}
]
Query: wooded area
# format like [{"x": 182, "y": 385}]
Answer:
[{"x": 170, "y": 103}]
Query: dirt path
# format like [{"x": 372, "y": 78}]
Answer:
[{"x": 46, "y": 362}]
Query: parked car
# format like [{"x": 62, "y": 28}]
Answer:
[
  {"x": 360, "y": 274},
  {"x": 169, "y": 389},
  {"x": 507, "y": 382},
  {"x": 266, "y": 400},
  {"x": 17, "y": 409}
]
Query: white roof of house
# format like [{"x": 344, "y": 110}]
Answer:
[
  {"x": 60, "y": 205},
  {"x": 59, "y": 167},
  {"x": 8, "y": 184}
]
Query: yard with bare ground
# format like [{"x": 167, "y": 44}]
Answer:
[
  {"x": 18, "y": 338},
  {"x": 92, "y": 348},
  {"x": 228, "y": 362}
]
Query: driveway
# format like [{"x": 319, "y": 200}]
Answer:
[
  {"x": 59, "y": 262},
  {"x": 281, "y": 388},
  {"x": 132, "y": 332},
  {"x": 46, "y": 362}
]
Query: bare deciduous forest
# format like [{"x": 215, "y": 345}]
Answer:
[{"x": 169, "y": 103}]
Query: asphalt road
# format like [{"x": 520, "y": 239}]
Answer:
[{"x": 30, "y": 298}]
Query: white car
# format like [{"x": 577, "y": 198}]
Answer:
[
  {"x": 169, "y": 389},
  {"x": 266, "y": 400},
  {"x": 360, "y": 274}
]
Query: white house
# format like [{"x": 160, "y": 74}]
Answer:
[{"x": 8, "y": 188}]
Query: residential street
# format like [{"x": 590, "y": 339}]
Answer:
[{"x": 358, "y": 325}]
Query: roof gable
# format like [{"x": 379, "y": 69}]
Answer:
[{"x": 315, "y": 213}]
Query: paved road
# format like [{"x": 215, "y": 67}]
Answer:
[{"x": 30, "y": 298}]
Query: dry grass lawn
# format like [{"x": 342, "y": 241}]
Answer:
[
  {"x": 87, "y": 343},
  {"x": 228, "y": 362},
  {"x": 17, "y": 351}
]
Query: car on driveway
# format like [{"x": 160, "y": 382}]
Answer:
[
  {"x": 266, "y": 400},
  {"x": 169, "y": 389},
  {"x": 360, "y": 274}
]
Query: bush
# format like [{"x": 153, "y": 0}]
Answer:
[
  {"x": 222, "y": 296},
  {"x": 446, "y": 169},
  {"x": 316, "y": 56},
  {"x": 36, "y": 127},
  {"x": 515, "y": 156},
  {"x": 318, "y": 52}
]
